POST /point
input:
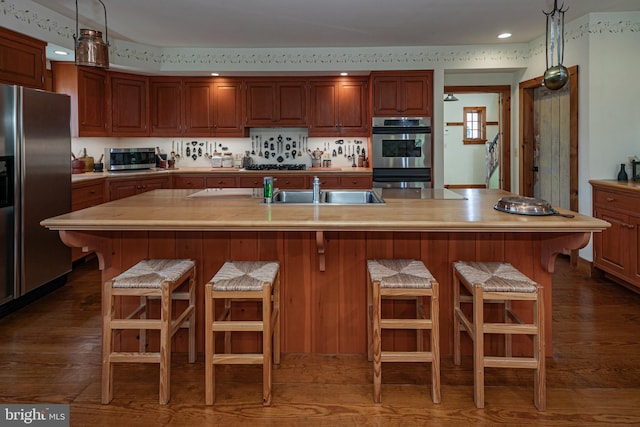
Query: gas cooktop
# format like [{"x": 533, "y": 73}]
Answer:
[{"x": 274, "y": 166}]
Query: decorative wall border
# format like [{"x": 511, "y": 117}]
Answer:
[{"x": 41, "y": 22}]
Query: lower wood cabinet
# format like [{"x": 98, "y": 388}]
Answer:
[
  {"x": 128, "y": 187},
  {"x": 617, "y": 249}
]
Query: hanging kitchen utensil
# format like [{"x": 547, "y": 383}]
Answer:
[
  {"x": 194, "y": 156},
  {"x": 340, "y": 150},
  {"x": 280, "y": 159},
  {"x": 286, "y": 154},
  {"x": 272, "y": 147},
  {"x": 253, "y": 144},
  {"x": 188, "y": 151},
  {"x": 293, "y": 153},
  {"x": 287, "y": 147},
  {"x": 334, "y": 154},
  {"x": 266, "y": 154},
  {"x": 527, "y": 206}
]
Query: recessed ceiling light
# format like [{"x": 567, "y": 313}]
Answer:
[
  {"x": 60, "y": 52},
  {"x": 504, "y": 35},
  {"x": 344, "y": 74},
  {"x": 215, "y": 74}
]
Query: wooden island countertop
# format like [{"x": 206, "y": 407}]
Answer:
[{"x": 323, "y": 251}]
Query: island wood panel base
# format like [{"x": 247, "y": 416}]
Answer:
[{"x": 325, "y": 311}]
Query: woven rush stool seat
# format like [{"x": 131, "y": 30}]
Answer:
[
  {"x": 149, "y": 279},
  {"x": 498, "y": 282},
  {"x": 403, "y": 279},
  {"x": 241, "y": 281}
]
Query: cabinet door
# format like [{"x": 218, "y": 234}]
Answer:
[
  {"x": 198, "y": 102},
  {"x": 612, "y": 245},
  {"x": 261, "y": 104},
  {"x": 22, "y": 60},
  {"x": 227, "y": 108},
  {"x": 165, "y": 105},
  {"x": 323, "y": 106},
  {"x": 92, "y": 102},
  {"x": 129, "y": 105},
  {"x": 289, "y": 181},
  {"x": 416, "y": 96},
  {"x": 250, "y": 181},
  {"x": 407, "y": 93},
  {"x": 634, "y": 253},
  {"x": 386, "y": 95},
  {"x": 292, "y": 103},
  {"x": 353, "y": 116}
]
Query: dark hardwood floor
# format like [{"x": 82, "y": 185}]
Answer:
[{"x": 50, "y": 353}]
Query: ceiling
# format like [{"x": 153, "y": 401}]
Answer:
[{"x": 325, "y": 23}]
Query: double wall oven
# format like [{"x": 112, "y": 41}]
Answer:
[{"x": 401, "y": 152}]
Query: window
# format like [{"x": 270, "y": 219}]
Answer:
[{"x": 474, "y": 126}]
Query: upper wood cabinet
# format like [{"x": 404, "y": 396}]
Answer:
[
  {"x": 129, "y": 105},
  {"x": 196, "y": 107},
  {"x": 22, "y": 59},
  {"x": 276, "y": 102},
  {"x": 338, "y": 107},
  {"x": 88, "y": 88},
  {"x": 406, "y": 93}
]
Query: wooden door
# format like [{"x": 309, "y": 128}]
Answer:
[
  {"x": 22, "y": 59},
  {"x": 551, "y": 152},
  {"x": 165, "y": 105},
  {"x": 227, "y": 108},
  {"x": 402, "y": 93},
  {"x": 129, "y": 105}
]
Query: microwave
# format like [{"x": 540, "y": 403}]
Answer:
[{"x": 119, "y": 159}]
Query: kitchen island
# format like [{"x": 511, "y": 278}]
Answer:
[{"x": 323, "y": 251}]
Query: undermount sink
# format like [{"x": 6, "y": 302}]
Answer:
[{"x": 333, "y": 197}]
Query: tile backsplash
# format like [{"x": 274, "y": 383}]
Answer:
[{"x": 280, "y": 144}]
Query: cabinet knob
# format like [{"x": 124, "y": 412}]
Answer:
[{"x": 611, "y": 199}]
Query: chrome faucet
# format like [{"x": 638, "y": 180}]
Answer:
[{"x": 316, "y": 189}]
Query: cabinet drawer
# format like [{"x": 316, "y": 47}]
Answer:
[
  {"x": 326, "y": 182},
  {"x": 616, "y": 200},
  {"x": 221, "y": 182},
  {"x": 254, "y": 181},
  {"x": 356, "y": 181},
  {"x": 188, "y": 182},
  {"x": 288, "y": 181},
  {"x": 86, "y": 196}
]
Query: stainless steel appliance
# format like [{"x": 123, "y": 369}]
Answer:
[
  {"x": 119, "y": 159},
  {"x": 401, "y": 152},
  {"x": 35, "y": 183}
]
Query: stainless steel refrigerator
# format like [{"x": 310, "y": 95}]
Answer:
[{"x": 35, "y": 183}]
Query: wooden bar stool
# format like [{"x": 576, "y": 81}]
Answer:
[
  {"x": 403, "y": 279},
  {"x": 151, "y": 278},
  {"x": 499, "y": 282},
  {"x": 241, "y": 281}
]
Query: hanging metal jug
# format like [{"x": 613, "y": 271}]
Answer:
[{"x": 92, "y": 51}]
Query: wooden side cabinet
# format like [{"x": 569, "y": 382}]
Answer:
[
  {"x": 617, "y": 249},
  {"x": 339, "y": 107},
  {"x": 405, "y": 93},
  {"x": 22, "y": 59},
  {"x": 276, "y": 103},
  {"x": 88, "y": 89}
]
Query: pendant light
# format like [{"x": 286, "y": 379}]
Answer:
[
  {"x": 90, "y": 49},
  {"x": 556, "y": 74},
  {"x": 450, "y": 97}
]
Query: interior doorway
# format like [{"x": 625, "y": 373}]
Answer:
[{"x": 504, "y": 131}]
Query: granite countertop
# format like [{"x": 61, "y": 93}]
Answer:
[
  {"x": 209, "y": 170},
  {"x": 242, "y": 209}
]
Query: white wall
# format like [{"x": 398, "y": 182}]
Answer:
[{"x": 465, "y": 163}]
